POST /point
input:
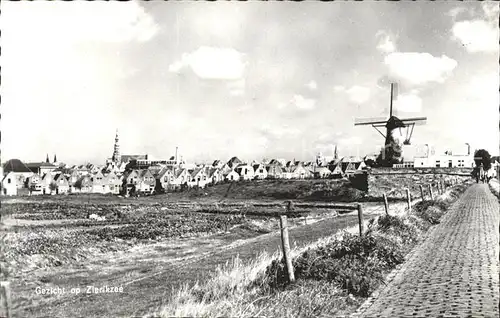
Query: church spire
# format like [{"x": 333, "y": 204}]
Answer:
[
  {"x": 55, "y": 158},
  {"x": 116, "y": 151},
  {"x": 47, "y": 159}
]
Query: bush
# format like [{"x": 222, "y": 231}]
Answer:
[
  {"x": 430, "y": 211},
  {"x": 358, "y": 264},
  {"x": 407, "y": 229}
]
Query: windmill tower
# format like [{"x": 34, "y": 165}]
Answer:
[{"x": 394, "y": 140}]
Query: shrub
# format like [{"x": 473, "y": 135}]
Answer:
[{"x": 357, "y": 264}]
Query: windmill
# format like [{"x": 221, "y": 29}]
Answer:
[{"x": 394, "y": 135}]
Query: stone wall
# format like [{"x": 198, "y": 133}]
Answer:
[
  {"x": 393, "y": 182},
  {"x": 453, "y": 171}
]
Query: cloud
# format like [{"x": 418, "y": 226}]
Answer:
[
  {"x": 353, "y": 140},
  {"x": 358, "y": 94},
  {"x": 491, "y": 10},
  {"x": 476, "y": 35},
  {"x": 303, "y": 103},
  {"x": 312, "y": 85},
  {"x": 111, "y": 22},
  {"x": 236, "y": 88},
  {"x": 483, "y": 89},
  {"x": 385, "y": 42},
  {"x": 281, "y": 131},
  {"x": 212, "y": 63},
  {"x": 410, "y": 102},
  {"x": 480, "y": 34},
  {"x": 455, "y": 12},
  {"x": 419, "y": 68}
]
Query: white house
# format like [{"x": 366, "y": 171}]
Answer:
[
  {"x": 232, "y": 176},
  {"x": 199, "y": 178},
  {"x": 245, "y": 171},
  {"x": 444, "y": 161},
  {"x": 9, "y": 184},
  {"x": 260, "y": 171}
]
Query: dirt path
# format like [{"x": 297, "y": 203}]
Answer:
[
  {"x": 455, "y": 273},
  {"x": 147, "y": 280}
]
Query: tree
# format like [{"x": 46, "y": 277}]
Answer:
[
  {"x": 483, "y": 157},
  {"x": 53, "y": 187}
]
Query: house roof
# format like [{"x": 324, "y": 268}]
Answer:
[
  {"x": 276, "y": 168},
  {"x": 127, "y": 158},
  {"x": 216, "y": 163},
  {"x": 57, "y": 177},
  {"x": 234, "y": 161},
  {"x": 144, "y": 172},
  {"x": 163, "y": 171},
  {"x": 212, "y": 171},
  {"x": 15, "y": 165},
  {"x": 274, "y": 162},
  {"x": 35, "y": 165},
  {"x": 181, "y": 171}
]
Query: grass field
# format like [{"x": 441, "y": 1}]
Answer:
[{"x": 151, "y": 244}]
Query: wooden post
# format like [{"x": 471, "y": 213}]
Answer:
[
  {"x": 422, "y": 192},
  {"x": 386, "y": 204},
  {"x": 360, "y": 219},
  {"x": 285, "y": 243},
  {"x": 408, "y": 198},
  {"x": 430, "y": 192},
  {"x": 5, "y": 292}
]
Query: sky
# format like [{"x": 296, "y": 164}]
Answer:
[{"x": 254, "y": 79}]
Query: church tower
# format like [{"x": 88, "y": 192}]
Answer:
[{"x": 116, "y": 151}]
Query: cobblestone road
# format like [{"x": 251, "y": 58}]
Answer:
[{"x": 455, "y": 272}]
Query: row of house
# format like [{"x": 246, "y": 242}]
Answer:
[{"x": 45, "y": 178}]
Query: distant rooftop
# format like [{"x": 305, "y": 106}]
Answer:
[{"x": 15, "y": 165}]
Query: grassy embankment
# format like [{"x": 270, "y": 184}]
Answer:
[
  {"x": 334, "y": 275},
  {"x": 494, "y": 185}
]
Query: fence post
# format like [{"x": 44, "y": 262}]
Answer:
[
  {"x": 386, "y": 204},
  {"x": 286, "y": 248},
  {"x": 422, "y": 192},
  {"x": 408, "y": 198},
  {"x": 360, "y": 219},
  {"x": 5, "y": 292},
  {"x": 430, "y": 192}
]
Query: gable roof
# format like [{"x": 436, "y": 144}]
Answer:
[
  {"x": 144, "y": 172},
  {"x": 276, "y": 168},
  {"x": 212, "y": 171},
  {"x": 181, "y": 171},
  {"x": 15, "y": 165},
  {"x": 234, "y": 161},
  {"x": 256, "y": 166},
  {"x": 274, "y": 162},
  {"x": 59, "y": 176},
  {"x": 164, "y": 171}
]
